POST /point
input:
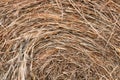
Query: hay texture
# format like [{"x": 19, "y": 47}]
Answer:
[{"x": 59, "y": 39}]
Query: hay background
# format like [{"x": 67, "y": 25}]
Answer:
[{"x": 59, "y": 39}]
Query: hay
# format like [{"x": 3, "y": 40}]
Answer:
[{"x": 59, "y": 39}]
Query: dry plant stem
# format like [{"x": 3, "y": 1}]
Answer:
[{"x": 59, "y": 40}]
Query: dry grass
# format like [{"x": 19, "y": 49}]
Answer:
[{"x": 59, "y": 39}]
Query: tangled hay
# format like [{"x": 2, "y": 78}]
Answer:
[{"x": 59, "y": 39}]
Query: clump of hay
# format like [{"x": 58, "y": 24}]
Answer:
[{"x": 60, "y": 40}]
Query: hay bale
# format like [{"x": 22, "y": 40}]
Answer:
[{"x": 60, "y": 40}]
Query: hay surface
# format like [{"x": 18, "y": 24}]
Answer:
[{"x": 59, "y": 39}]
